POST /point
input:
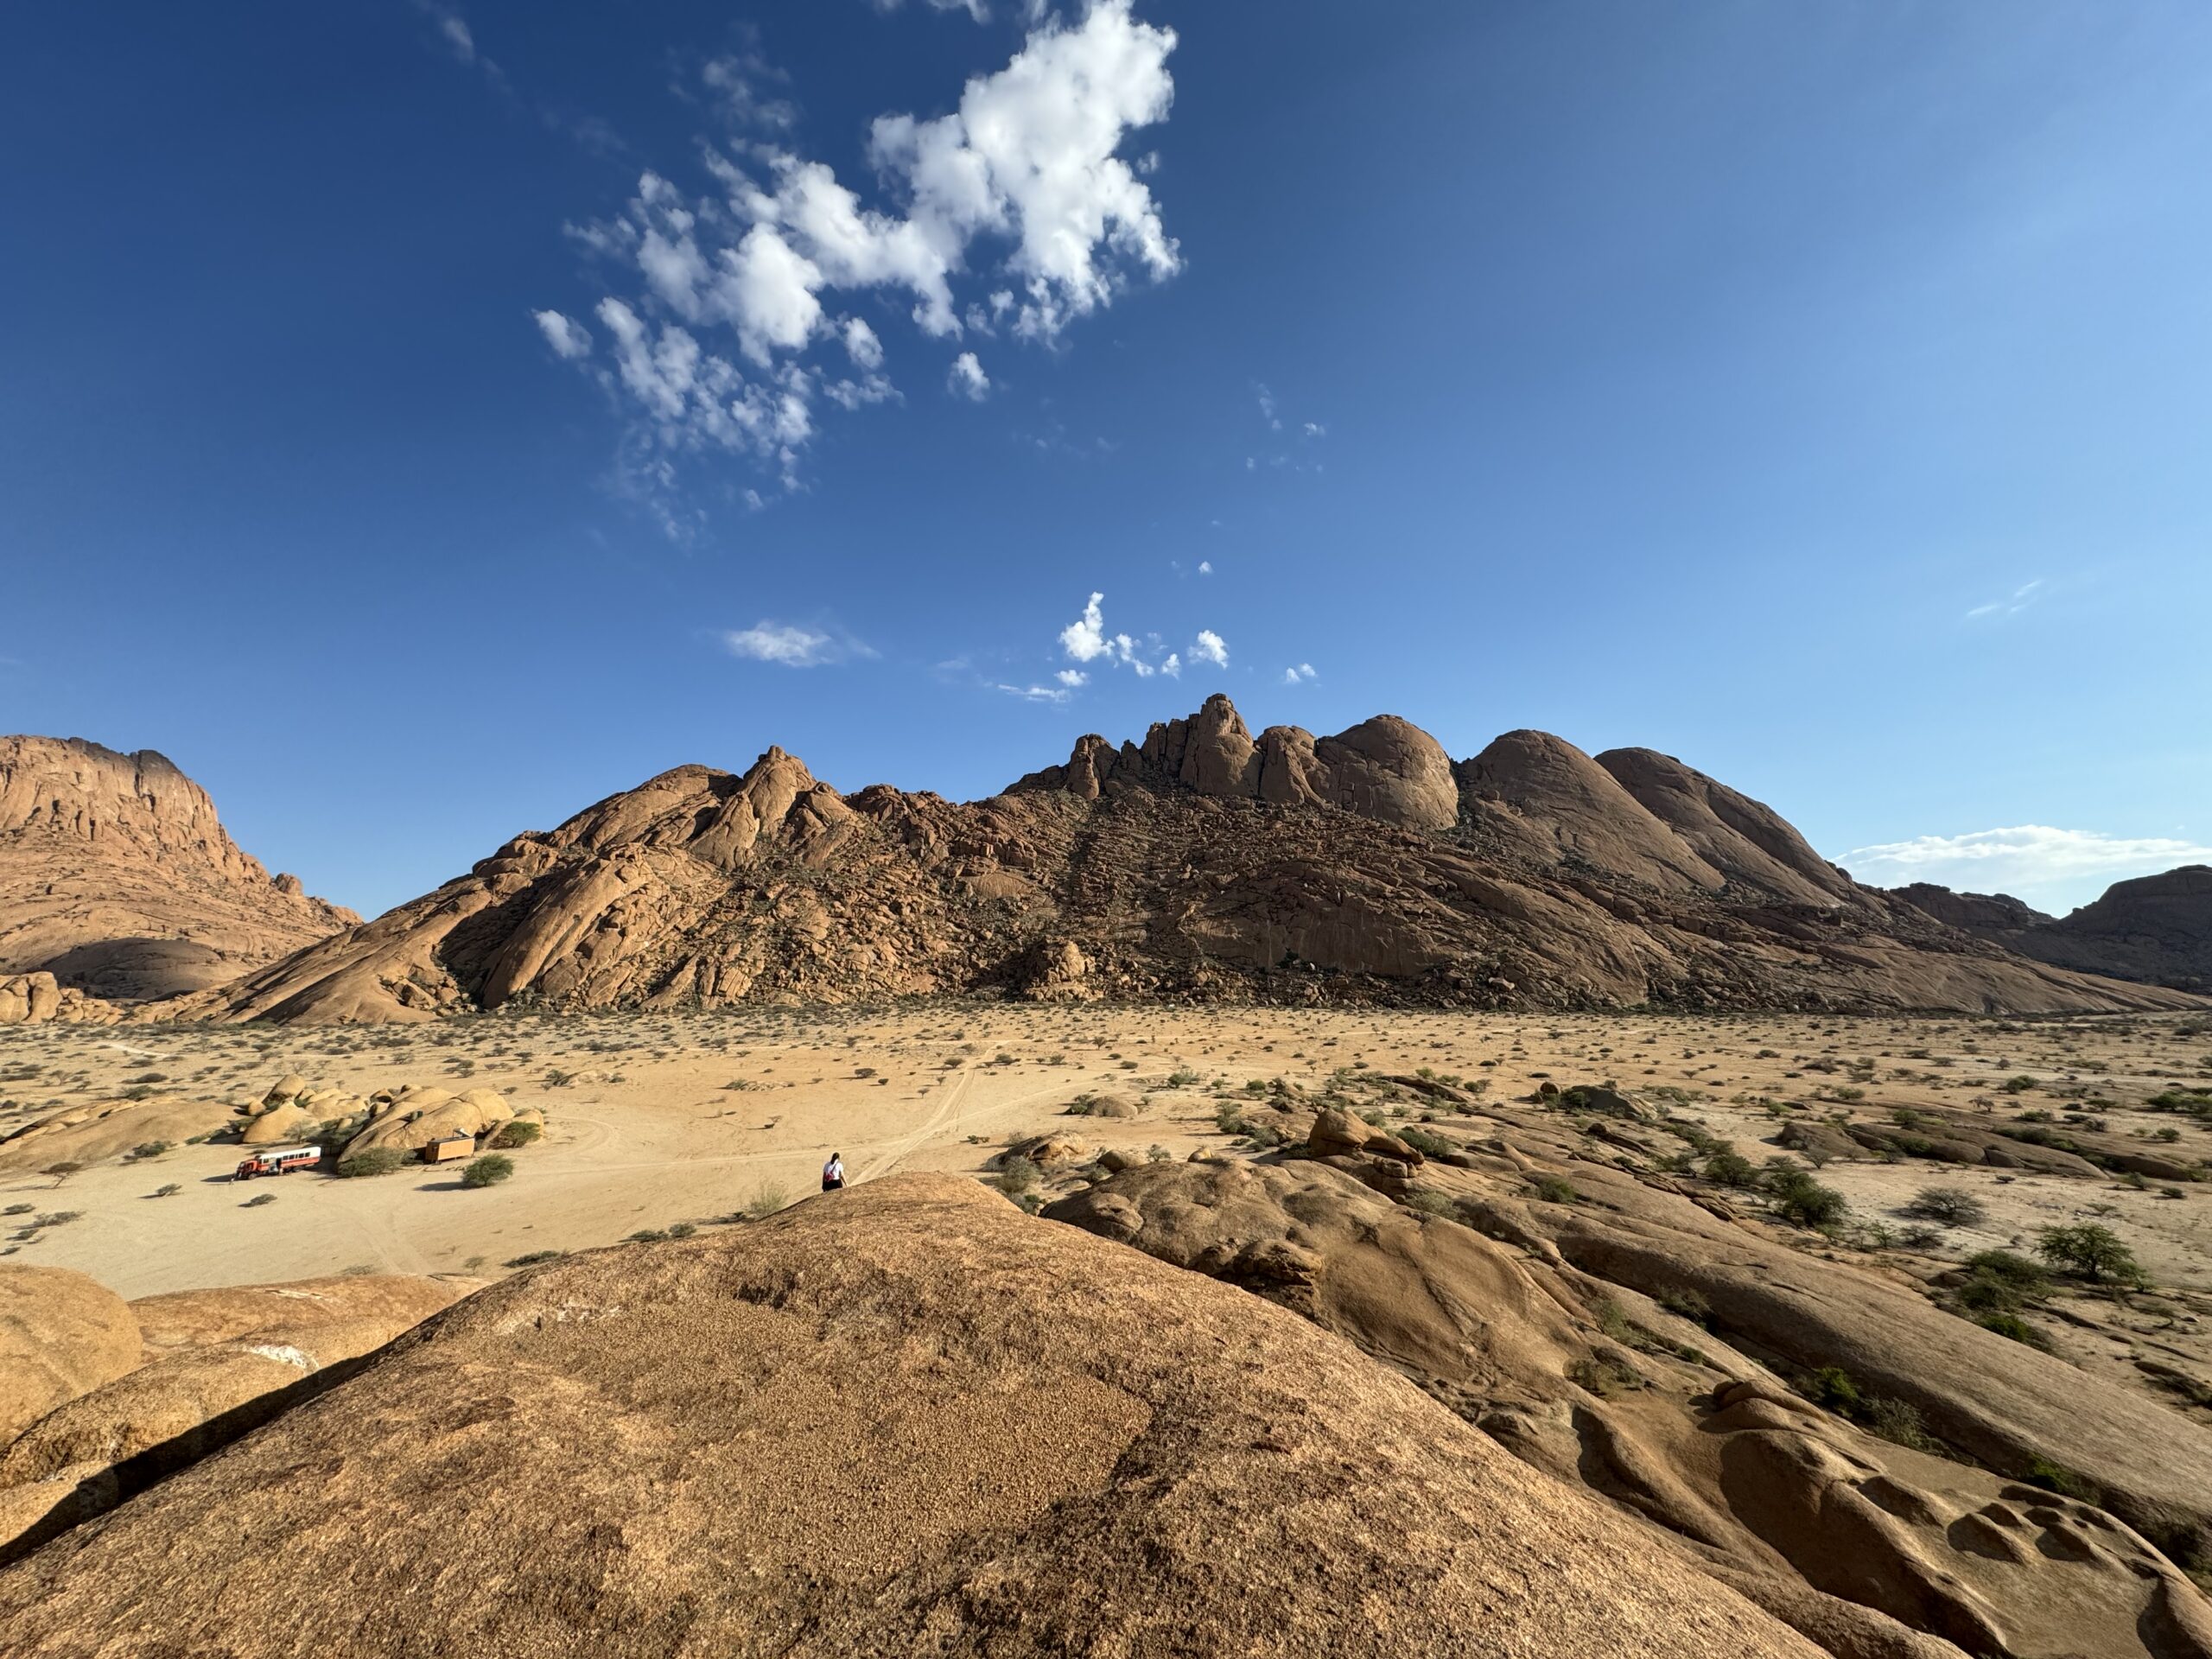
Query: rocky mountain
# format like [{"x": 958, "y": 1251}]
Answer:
[
  {"x": 1203, "y": 862},
  {"x": 2157, "y": 929},
  {"x": 116, "y": 878}
]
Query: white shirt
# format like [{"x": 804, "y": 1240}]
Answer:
[{"x": 834, "y": 1170}]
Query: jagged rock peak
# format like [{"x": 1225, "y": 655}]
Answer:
[
  {"x": 117, "y": 876},
  {"x": 1386, "y": 768}
]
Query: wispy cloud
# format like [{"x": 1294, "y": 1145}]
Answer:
[
  {"x": 789, "y": 645},
  {"x": 2020, "y": 598},
  {"x": 1034, "y": 693},
  {"x": 1298, "y": 674},
  {"x": 1086, "y": 640},
  {"x": 2028, "y": 859}
]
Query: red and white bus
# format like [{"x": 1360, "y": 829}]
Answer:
[{"x": 278, "y": 1161}]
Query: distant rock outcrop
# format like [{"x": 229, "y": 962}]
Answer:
[
  {"x": 117, "y": 879},
  {"x": 2157, "y": 929},
  {"x": 1203, "y": 863}
]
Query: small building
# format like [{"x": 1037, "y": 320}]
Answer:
[{"x": 451, "y": 1148}]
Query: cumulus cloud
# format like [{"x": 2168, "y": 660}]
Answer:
[
  {"x": 789, "y": 645},
  {"x": 2063, "y": 866},
  {"x": 1205, "y": 567},
  {"x": 1085, "y": 638},
  {"x": 1209, "y": 647},
  {"x": 2020, "y": 598},
  {"x": 1071, "y": 677},
  {"x": 968, "y": 378},
  {"x": 568, "y": 338},
  {"x": 1298, "y": 674},
  {"x": 1021, "y": 185}
]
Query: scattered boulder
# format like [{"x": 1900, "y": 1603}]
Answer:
[
  {"x": 99, "y": 1130},
  {"x": 411, "y": 1118},
  {"x": 1338, "y": 1134},
  {"x": 61, "y": 1334}
]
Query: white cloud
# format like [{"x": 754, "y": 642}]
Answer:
[
  {"x": 1266, "y": 406},
  {"x": 791, "y": 645},
  {"x": 2019, "y": 601},
  {"x": 457, "y": 35},
  {"x": 1085, "y": 638},
  {"x": 968, "y": 378},
  {"x": 975, "y": 8},
  {"x": 1205, "y": 567},
  {"x": 1072, "y": 677},
  {"x": 862, "y": 344},
  {"x": 1172, "y": 668},
  {"x": 1315, "y": 430},
  {"x": 1034, "y": 693},
  {"x": 1209, "y": 647},
  {"x": 737, "y": 81},
  {"x": 1026, "y": 163},
  {"x": 2062, "y": 866},
  {"x": 568, "y": 338},
  {"x": 1298, "y": 674}
]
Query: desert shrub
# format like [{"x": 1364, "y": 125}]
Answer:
[
  {"x": 1157, "y": 1154},
  {"x": 1899, "y": 1421},
  {"x": 516, "y": 1131},
  {"x": 18, "y": 1209},
  {"x": 487, "y": 1171},
  {"x": 1952, "y": 1205},
  {"x": 2019, "y": 1085},
  {"x": 2011, "y": 1326},
  {"x": 1553, "y": 1189},
  {"x": 534, "y": 1257},
  {"x": 1797, "y": 1197},
  {"x": 57, "y": 1218},
  {"x": 1263, "y": 1134},
  {"x": 1832, "y": 1386},
  {"x": 1687, "y": 1305},
  {"x": 1602, "y": 1377},
  {"x": 167, "y": 1189},
  {"x": 683, "y": 1230},
  {"x": 1428, "y": 1144},
  {"x": 1730, "y": 1169},
  {"x": 2058, "y": 1478},
  {"x": 258, "y": 1200},
  {"x": 372, "y": 1160},
  {"x": 1017, "y": 1175},
  {"x": 1430, "y": 1202},
  {"x": 150, "y": 1148},
  {"x": 2093, "y": 1253},
  {"x": 1230, "y": 1119},
  {"x": 1182, "y": 1077},
  {"x": 2020, "y": 1276}
]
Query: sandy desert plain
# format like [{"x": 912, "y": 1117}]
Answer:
[{"x": 657, "y": 1120}]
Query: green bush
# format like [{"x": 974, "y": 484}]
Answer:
[
  {"x": 766, "y": 1199},
  {"x": 516, "y": 1131},
  {"x": 2093, "y": 1253},
  {"x": 1952, "y": 1205},
  {"x": 1552, "y": 1189},
  {"x": 373, "y": 1160},
  {"x": 2013, "y": 1325},
  {"x": 1017, "y": 1175},
  {"x": 1797, "y": 1197},
  {"x": 1832, "y": 1386},
  {"x": 487, "y": 1171},
  {"x": 1730, "y": 1169},
  {"x": 2058, "y": 1478}
]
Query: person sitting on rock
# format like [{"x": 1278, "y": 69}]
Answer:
[{"x": 833, "y": 1173}]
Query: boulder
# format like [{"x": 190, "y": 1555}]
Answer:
[
  {"x": 61, "y": 1334},
  {"x": 1338, "y": 1133}
]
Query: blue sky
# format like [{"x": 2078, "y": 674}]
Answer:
[{"x": 423, "y": 420}]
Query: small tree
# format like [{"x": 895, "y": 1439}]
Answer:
[
  {"x": 488, "y": 1171},
  {"x": 1952, "y": 1205},
  {"x": 372, "y": 1160},
  {"x": 2093, "y": 1253},
  {"x": 1797, "y": 1197},
  {"x": 516, "y": 1131}
]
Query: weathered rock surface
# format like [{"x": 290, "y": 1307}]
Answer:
[
  {"x": 1537, "y": 1321},
  {"x": 101, "y": 1129},
  {"x": 900, "y": 1420},
  {"x": 116, "y": 878},
  {"x": 1202, "y": 863},
  {"x": 35, "y": 999},
  {"x": 2155, "y": 928},
  {"x": 99, "y": 1397}
]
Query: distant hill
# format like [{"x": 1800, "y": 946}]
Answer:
[
  {"x": 2157, "y": 929},
  {"x": 116, "y": 877},
  {"x": 1203, "y": 863}
]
